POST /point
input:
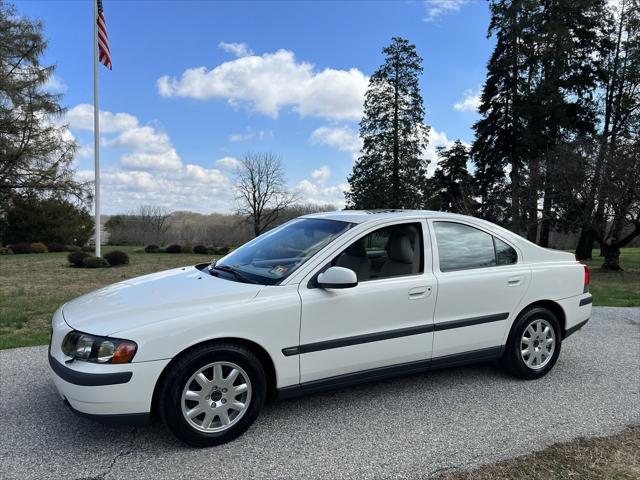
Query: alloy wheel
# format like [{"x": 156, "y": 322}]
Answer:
[{"x": 216, "y": 397}]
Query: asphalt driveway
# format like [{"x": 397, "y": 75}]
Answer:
[{"x": 412, "y": 427}]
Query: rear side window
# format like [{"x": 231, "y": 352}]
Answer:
[
  {"x": 505, "y": 254},
  {"x": 461, "y": 247}
]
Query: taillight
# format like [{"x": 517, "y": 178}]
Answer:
[{"x": 586, "y": 278}]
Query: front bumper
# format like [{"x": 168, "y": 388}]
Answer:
[
  {"x": 95, "y": 393},
  {"x": 101, "y": 390}
]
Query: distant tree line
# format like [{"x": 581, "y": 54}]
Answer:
[
  {"x": 556, "y": 147},
  {"x": 140, "y": 227}
]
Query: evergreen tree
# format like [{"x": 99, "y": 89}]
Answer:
[
  {"x": 499, "y": 144},
  {"x": 561, "y": 106},
  {"x": 35, "y": 152},
  {"x": 452, "y": 183},
  {"x": 619, "y": 125},
  {"x": 391, "y": 172}
]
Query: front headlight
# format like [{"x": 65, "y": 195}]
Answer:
[{"x": 92, "y": 348}]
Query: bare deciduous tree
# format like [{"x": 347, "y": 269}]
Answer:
[
  {"x": 261, "y": 190},
  {"x": 155, "y": 221}
]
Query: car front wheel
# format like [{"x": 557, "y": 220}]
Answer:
[
  {"x": 534, "y": 344},
  {"x": 213, "y": 394}
]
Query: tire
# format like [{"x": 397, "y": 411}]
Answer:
[
  {"x": 195, "y": 408},
  {"x": 535, "y": 364}
]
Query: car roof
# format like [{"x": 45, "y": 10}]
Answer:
[{"x": 363, "y": 216}]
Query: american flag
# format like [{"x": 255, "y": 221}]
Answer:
[{"x": 103, "y": 39}]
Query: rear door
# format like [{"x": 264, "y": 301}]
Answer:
[{"x": 481, "y": 281}]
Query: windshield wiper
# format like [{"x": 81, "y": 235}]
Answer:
[{"x": 233, "y": 271}]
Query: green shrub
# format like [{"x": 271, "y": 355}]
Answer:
[
  {"x": 221, "y": 250},
  {"x": 33, "y": 219},
  {"x": 94, "y": 262},
  {"x": 72, "y": 248},
  {"x": 76, "y": 258},
  {"x": 116, "y": 257},
  {"x": 88, "y": 249},
  {"x": 5, "y": 251},
  {"x": 56, "y": 247},
  {"x": 153, "y": 248},
  {"x": 21, "y": 247},
  {"x": 39, "y": 247},
  {"x": 175, "y": 248},
  {"x": 200, "y": 249},
  {"x": 187, "y": 249}
]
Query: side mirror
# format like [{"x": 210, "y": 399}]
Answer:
[{"x": 337, "y": 277}]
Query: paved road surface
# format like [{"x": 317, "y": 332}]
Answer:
[{"x": 412, "y": 427}]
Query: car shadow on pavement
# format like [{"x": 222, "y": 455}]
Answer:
[{"x": 155, "y": 437}]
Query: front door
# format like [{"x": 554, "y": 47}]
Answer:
[{"x": 387, "y": 319}]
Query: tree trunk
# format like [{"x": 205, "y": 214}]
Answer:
[
  {"x": 256, "y": 227},
  {"x": 546, "y": 217},
  {"x": 532, "y": 200},
  {"x": 515, "y": 197},
  {"x": 396, "y": 141},
  {"x": 611, "y": 257},
  {"x": 585, "y": 243}
]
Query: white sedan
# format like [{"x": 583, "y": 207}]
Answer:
[{"x": 320, "y": 302}]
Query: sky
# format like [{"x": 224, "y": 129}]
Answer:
[{"x": 196, "y": 84}]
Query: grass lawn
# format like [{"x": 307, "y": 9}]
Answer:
[
  {"x": 616, "y": 289},
  {"x": 33, "y": 286},
  {"x": 613, "y": 458}
]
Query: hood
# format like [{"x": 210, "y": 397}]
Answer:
[{"x": 152, "y": 298}]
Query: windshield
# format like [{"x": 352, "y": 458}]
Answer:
[{"x": 276, "y": 254}]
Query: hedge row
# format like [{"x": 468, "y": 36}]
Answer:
[
  {"x": 110, "y": 259},
  {"x": 199, "y": 249},
  {"x": 37, "y": 247}
]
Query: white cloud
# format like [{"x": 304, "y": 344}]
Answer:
[
  {"x": 81, "y": 117},
  {"x": 142, "y": 138},
  {"x": 273, "y": 81},
  {"x": 55, "y": 85},
  {"x": 436, "y": 139},
  {"x": 342, "y": 138},
  {"x": 168, "y": 160},
  {"x": 321, "y": 174},
  {"x": 228, "y": 163},
  {"x": 313, "y": 190},
  {"x": 149, "y": 148},
  {"x": 150, "y": 171},
  {"x": 191, "y": 187},
  {"x": 470, "y": 102},
  {"x": 238, "y": 49},
  {"x": 437, "y": 8},
  {"x": 250, "y": 134}
]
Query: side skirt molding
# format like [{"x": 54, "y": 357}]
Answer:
[
  {"x": 381, "y": 373},
  {"x": 389, "y": 334}
]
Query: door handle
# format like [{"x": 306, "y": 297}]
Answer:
[
  {"x": 419, "y": 292},
  {"x": 514, "y": 281}
]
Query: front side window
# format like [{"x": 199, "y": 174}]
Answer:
[
  {"x": 461, "y": 247},
  {"x": 276, "y": 254},
  {"x": 387, "y": 252}
]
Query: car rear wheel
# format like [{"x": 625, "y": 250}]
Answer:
[
  {"x": 534, "y": 344},
  {"x": 213, "y": 394}
]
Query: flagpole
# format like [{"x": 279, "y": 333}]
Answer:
[{"x": 96, "y": 128}]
